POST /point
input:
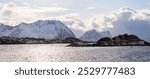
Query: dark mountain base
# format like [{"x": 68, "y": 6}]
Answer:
[
  {"x": 121, "y": 40},
  {"x": 27, "y": 40}
]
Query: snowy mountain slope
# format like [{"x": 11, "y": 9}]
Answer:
[
  {"x": 5, "y": 30},
  {"x": 94, "y": 36},
  {"x": 49, "y": 29},
  {"x": 106, "y": 34}
]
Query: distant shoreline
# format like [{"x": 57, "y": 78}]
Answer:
[
  {"x": 112, "y": 46},
  {"x": 120, "y": 40},
  {"x": 81, "y": 45}
]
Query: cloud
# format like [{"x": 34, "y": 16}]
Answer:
[
  {"x": 73, "y": 21},
  {"x": 100, "y": 23},
  {"x": 12, "y": 13},
  {"x": 91, "y": 8},
  {"x": 125, "y": 20},
  {"x": 148, "y": 3}
]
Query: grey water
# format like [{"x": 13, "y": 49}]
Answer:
[{"x": 62, "y": 53}]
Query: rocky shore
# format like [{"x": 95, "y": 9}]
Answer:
[
  {"x": 12, "y": 40},
  {"x": 120, "y": 40},
  {"x": 27, "y": 40}
]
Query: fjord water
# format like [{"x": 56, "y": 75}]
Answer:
[{"x": 62, "y": 53}]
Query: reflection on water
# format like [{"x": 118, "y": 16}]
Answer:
[{"x": 61, "y": 53}]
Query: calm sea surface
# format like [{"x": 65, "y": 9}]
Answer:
[{"x": 61, "y": 53}]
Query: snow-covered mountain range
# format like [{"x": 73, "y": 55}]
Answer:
[
  {"x": 48, "y": 29},
  {"x": 94, "y": 36}
]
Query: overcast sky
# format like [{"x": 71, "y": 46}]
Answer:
[{"x": 117, "y": 16}]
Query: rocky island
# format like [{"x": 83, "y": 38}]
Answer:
[{"x": 120, "y": 40}]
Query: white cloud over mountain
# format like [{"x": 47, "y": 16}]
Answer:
[
  {"x": 73, "y": 21},
  {"x": 12, "y": 13},
  {"x": 126, "y": 20},
  {"x": 123, "y": 20}
]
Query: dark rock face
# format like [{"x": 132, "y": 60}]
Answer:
[
  {"x": 27, "y": 40},
  {"x": 12, "y": 40},
  {"x": 75, "y": 41},
  {"x": 104, "y": 41},
  {"x": 32, "y": 41},
  {"x": 122, "y": 40},
  {"x": 127, "y": 40},
  {"x": 9, "y": 40},
  {"x": 72, "y": 39}
]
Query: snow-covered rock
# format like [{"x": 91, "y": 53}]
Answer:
[
  {"x": 48, "y": 29},
  {"x": 5, "y": 30},
  {"x": 94, "y": 36},
  {"x": 106, "y": 34}
]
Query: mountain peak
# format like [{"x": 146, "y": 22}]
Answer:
[
  {"x": 5, "y": 29},
  {"x": 48, "y": 29},
  {"x": 1, "y": 24},
  {"x": 92, "y": 31},
  {"x": 93, "y": 35}
]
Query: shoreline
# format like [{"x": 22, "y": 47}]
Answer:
[{"x": 68, "y": 45}]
